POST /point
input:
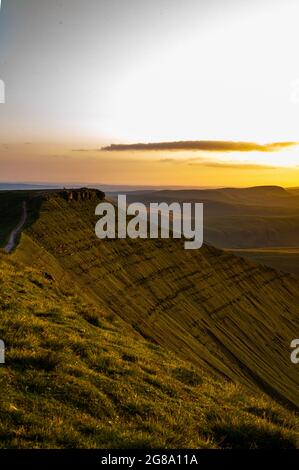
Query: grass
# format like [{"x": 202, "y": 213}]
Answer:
[
  {"x": 133, "y": 343},
  {"x": 76, "y": 377},
  {"x": 217, "y": 311}
]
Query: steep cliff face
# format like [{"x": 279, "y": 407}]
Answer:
[{"x": 217, "y": 311}]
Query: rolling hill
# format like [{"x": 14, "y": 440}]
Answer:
[
  {"x": 255, "y": 199},
  {"x": 74, "y": 306},
  {"x": 293, "y": 191},
  {"x": 248, "y": 219}
]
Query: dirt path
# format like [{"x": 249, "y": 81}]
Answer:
[{"x": 14, "y": 234}]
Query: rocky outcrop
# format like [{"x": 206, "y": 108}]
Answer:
[{"x": 82, "y": 194}]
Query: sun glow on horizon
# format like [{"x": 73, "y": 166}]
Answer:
[
  {"x": 286, "y": 158},
  {"x": 210, "y": 71}
]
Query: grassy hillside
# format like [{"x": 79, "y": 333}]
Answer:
[
  {"x": 283, "y": 258},
  {"x": 77, "y": 377},
  {"x": 11, "y": 210},
  {"x": 10, "y": 213},
  {"x": 221, "y": 313},
  {"x": 142, "y": 342}
]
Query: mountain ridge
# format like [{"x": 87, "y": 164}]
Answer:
[{"x": 202, "y": 305}]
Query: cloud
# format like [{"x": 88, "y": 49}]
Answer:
[
  {"x": 204, "y": 145},
  {"x": 82, "y": 150},
  {"x": 174, "y": 160},
  {"x": 234, "y": 166},
  {"x": 203, "y": 162}
]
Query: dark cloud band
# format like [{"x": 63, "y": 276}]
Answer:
[{"x": 204, "y": 145}]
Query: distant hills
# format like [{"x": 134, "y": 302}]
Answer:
[
  {"x": 294, "y": 191},
  {"x": 24, "y": 186},
  {"x": 248, "y": 219},
  {"x": 230, "y": 201},
  {"x": 104, "y": 187}
]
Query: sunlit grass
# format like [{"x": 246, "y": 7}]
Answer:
[{"x": 75, "y": 378}]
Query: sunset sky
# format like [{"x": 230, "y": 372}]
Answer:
[{"x": 81, "y": 76}]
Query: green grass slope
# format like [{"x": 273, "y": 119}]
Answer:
[
  {"x": 77, "y": 377},
  {"x": 226, "y": 315}
]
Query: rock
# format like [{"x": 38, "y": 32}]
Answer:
[{"x": 82, "y": 194}]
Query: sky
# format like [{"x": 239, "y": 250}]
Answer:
[{"x": 80, "y": 76}]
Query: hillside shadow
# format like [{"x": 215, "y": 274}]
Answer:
[{"x": 11, "y": 203}]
